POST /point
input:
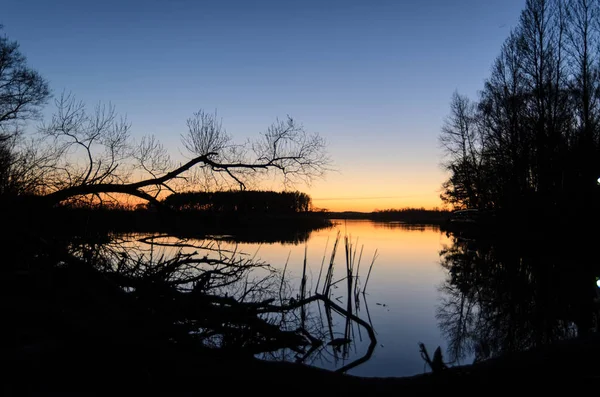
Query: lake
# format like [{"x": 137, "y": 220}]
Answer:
[
  {"x": 400, "y": 299},
  {"x": 476, "y": 293},
  {"x": 401, "y": 294}
]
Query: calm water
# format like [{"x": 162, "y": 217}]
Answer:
[
  {"x": 401, "y": 293},
  {"x": 471, "y": 296}
]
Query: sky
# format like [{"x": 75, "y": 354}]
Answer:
[{"x": 373, "y": 77}]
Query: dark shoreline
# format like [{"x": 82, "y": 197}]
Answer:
[
  {"x": 409, "y": 216},
  {"x": 250, "y": 227},
  {"x": 93, "y": 366}
]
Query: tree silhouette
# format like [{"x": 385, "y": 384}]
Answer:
[
  {"x": 532, "y": 139},
  {"x": 94, "y": 156},
  {"x": 82, "y": 154},
  {"x": 22, "y": 93}
]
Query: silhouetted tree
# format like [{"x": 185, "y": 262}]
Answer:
[
  {"x": 92, "y": 156},
  {"x": 583, "y": 57},
  {"x": 81, "y": 154},
  {"x": 535, "y": 123},
  {"x": 461, "y": 142},
  {"x": 22, "y": 92}
]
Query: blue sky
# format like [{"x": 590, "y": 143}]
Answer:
[{"x": 373, "y": 77}]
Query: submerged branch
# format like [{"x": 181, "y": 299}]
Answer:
[{"x": 330, "y": 304}]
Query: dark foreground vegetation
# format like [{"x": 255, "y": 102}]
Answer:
[
  {"x": 77, "y": 324},
  {"x": 74, "y": 329}
]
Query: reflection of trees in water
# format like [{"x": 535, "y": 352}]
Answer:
[
  {"x": 404, "y": 226},
  {"x": 263, "y": 236},
  {"x": 509, "y": 295},
  {"x": 223, "y": 299}
]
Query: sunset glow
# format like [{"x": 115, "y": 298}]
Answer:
[{"x": 374, "y": 79}]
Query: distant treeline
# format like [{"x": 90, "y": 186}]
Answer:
[
  {"x": 255, "y": 201},
  {"x": 409, "y": 210},
  {"x": 412, "y": 215},
  {"x": 406, "y": 215}
]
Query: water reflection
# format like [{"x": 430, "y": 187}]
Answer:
[
  {"x": 293, "y": 230},
  {"x": 263, "y": 236},
  {"x": 399, "y": 304},
  {"x": 228, "y": 299},
  {"x": 404, "y": 226},
  {"x": 401, "y": 292},
  {"x": 506, "y": 294}
]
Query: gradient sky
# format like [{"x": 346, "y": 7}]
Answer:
[{"x": 373, "y": 77}]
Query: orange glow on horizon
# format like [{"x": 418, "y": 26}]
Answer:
[
  {"x": 368, "y": 187},
  {"x": 358, "y": 192},
  {"x": 373, "y": 196}
]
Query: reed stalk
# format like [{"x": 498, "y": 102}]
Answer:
[
  {"x": 369, "y": 274},
  {"x": 303, "y": 287},
  {"x": 329, "y": 275},
  {"x": 322, "y": 263}
]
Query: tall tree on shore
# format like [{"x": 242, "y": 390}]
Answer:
[
  {"x": 507, "y": 143},
  {"x": 583, "y": 57},
  {"x": 537, "y": 115},
  {"x": 461, "y": 142}
]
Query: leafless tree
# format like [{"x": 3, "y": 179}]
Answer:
[
  {"x": 462, "y": 144},
  {"x": 22, "y": 92},
  {"x": 285, "y": 148},
  {"x": 583, "y": 37},
  {"x": 96, "y": 156},
  {"x": 538, "y": 114}
]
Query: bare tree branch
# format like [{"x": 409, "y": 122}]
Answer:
[{"x": 101, "y": 142}]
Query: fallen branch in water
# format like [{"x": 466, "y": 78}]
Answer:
[{"x": 330, "y": 304}]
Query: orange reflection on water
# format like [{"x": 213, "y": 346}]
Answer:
[
  {"x": 405, "y": 255},
  {"x": 392, "y": 239},
  {"x": 402, "y": 291}
]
